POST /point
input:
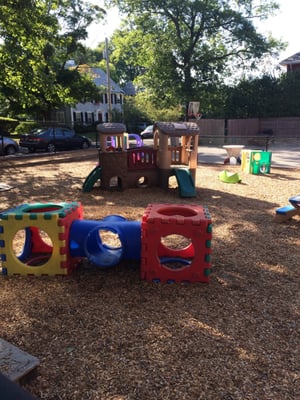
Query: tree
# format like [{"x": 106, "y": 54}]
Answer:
[
  {"x": 254, "y": 98},
  {"x": 126, "y": 54},
  {"x": 267, "y": 96},
  {"x": 38, "y": 38},
  {"x": 289, "y": 97},
  {"x": 183, "y": 46}
]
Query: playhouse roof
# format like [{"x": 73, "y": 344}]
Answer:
[
  {"x": 111, "y": 128},
  {"x": 178, "y": 128}
]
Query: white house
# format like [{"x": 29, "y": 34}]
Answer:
[{"x": 87, "y": 113}]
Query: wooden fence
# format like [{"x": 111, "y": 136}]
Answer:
[{"x": 249, "y": 131}]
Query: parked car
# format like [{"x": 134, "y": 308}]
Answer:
[
  {"x": 8, "y": 146},
  {"x": 140, "y": 126},
  {"x": 147, "y": 133},
  {"x": 52, "y": 139}
]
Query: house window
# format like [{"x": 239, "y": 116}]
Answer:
[
  {"x": 89, "y": 118},
  {"x": 105, "y": 98},
  {"x": 77, "y": 117},
  {"x": 60, "y": 117}
]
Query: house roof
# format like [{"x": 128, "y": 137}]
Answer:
[
  {"x": 294, "y": 59},
  {"x": 129, "y": 89},
  {"x": 100, "y": 78}
]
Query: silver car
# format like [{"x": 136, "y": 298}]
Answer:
[
  {"x": 8, "y": 146},
  {"x": 147, "y": 133}
]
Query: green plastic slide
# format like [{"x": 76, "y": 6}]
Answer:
[
  {"x": 186, "y": 185},
  {"x": 91, "y": 179}
]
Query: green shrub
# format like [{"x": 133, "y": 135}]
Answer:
[
  {"x": 84, "y": 129},
  {"x": 25, "y": 127},
  {"x": 8, "y": 125}
]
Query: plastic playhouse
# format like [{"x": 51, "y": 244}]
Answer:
[
  {"x": 174, "y": 153},
  {"x": 256, "y": 161},
  {"x": 56, "y": 239}
]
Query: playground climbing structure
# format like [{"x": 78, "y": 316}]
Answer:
[
  {"x": 190, "y": 262},
  {"x": 46, "y": 232},
  {"x": 56, "y": 239},
  {"x": 174, "y": 153}
]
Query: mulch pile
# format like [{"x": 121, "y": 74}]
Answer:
[{"x": 109, "y": 335}]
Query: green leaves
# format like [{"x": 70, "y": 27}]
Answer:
[
  {"x": 38, "y": 37},
  {"x": 180, "y": 46}
]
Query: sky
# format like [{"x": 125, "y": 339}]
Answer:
[{"x": 284, "y": 26}]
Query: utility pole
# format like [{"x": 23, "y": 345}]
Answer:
[{"x": 108, "y": 81}]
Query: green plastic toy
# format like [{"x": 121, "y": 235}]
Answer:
[{"x": 229, "y": 177}]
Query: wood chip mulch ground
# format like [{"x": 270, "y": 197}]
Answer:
[{"x": 109, "y": 335}]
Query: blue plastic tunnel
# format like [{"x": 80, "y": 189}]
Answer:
[{"x": 85, "y": 240}]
